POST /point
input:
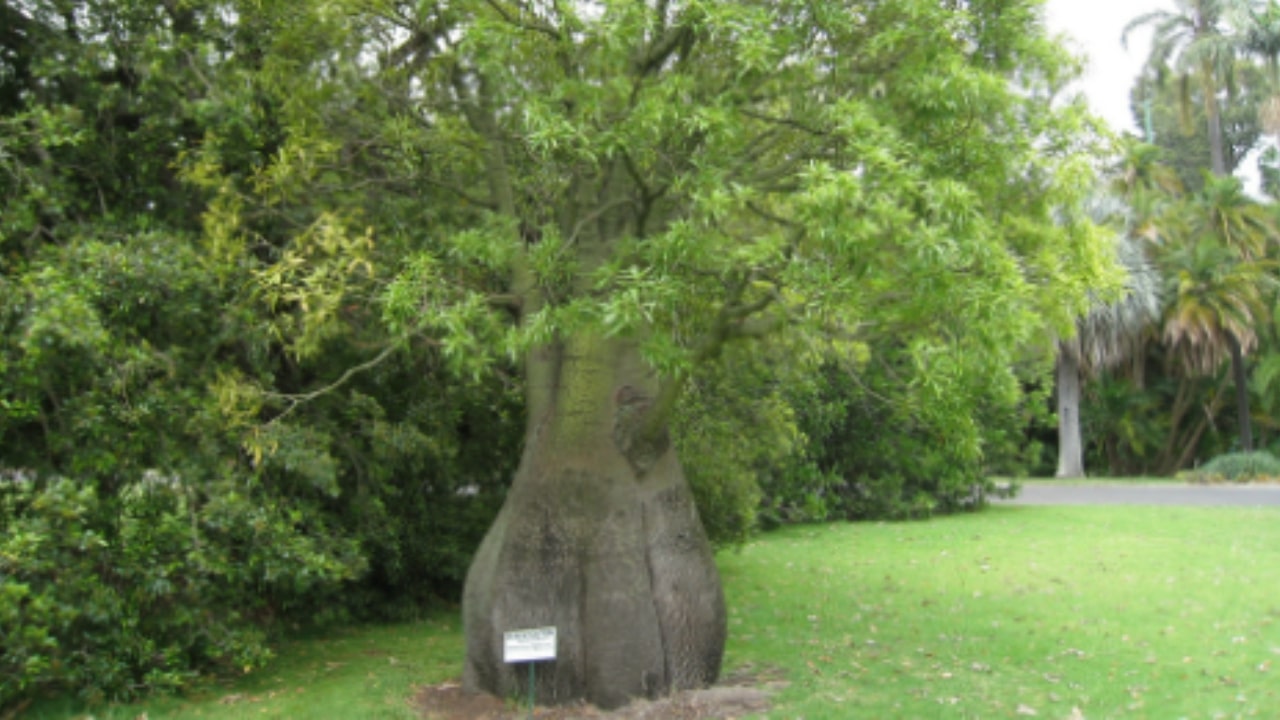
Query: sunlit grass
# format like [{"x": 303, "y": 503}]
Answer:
[
  {"x": 1105, "y": 612},
  {"x": 1112, "y": 612}
]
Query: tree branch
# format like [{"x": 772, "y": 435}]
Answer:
[
  {"x": 296, "y": 400},
  {"x": 512, "y": 19},
  {"x": 676, "y": 39}
]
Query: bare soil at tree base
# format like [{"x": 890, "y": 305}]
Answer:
[{"x": 734, "y": 697}]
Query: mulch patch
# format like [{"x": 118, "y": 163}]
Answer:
[{"x": 734, "y": 697}]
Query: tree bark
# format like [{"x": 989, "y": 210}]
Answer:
[
  {"x": 1070, "y": 447},
  {"x": 1240, "y": 376},
  {"x": 598, "y": 537},
  {"x": 1217, "y": 145}
]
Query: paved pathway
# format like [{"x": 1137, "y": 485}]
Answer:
[{"x": 1045, "y": 493}]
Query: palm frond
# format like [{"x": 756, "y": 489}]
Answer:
[{"x": 1112, "y": 331}]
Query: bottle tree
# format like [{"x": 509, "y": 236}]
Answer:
[{"x": 657, "y": 180}]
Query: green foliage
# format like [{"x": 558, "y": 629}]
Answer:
[
  {"x": 1179, "y": 124},
  {"x": 1239, "y": 467},
  {"x": 358, "y": 671},
  {"x": 112, "y": 596},
  {"x": 190, "y": 336},
  {"x": 875, "y": 448},
  {"x": 725, "y": 458},
  {"x": 844, "y": 440}
]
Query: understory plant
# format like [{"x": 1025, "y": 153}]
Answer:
[
  {"x": 143, "y": 590},
  {"x": 1238, "y": 467}
]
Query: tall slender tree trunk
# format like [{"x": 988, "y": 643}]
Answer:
[
  {"x": 1213, "y": 119},
  {"x": 598, "y": 537},
  {"x": 1070, "y": 447},
  {"x": 1240, "y": 377},
  {"x": 1217, "y": 147}
]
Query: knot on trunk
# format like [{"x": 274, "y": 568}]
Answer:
[{"x": 633, "y": 434}]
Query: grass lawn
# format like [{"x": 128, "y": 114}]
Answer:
[
  {"x": 1116, "y": 612},
  {"x": 1064, "y": 612},
  {"x": 362, "y": 673}
]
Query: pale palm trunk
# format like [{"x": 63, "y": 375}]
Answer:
[{"x": 1070, "y": 445}]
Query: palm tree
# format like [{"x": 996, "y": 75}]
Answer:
[
  {"x": 1109, "y": 334},
  {"x": 1146, "y": 185},
  {"x": 1141, "y": 169},
  {"x": 1196, "y": 43},
  {"x": 1262, "y": 39},
  {"x": 1224, "y": 212},
  {"x": 1216, "y": 301},
  {"x": 1217, "y": 288}
]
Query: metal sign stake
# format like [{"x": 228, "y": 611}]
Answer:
[{"x": 529, "y": 646}]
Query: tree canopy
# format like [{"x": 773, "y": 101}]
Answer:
[{"x": 689, "y": 173}]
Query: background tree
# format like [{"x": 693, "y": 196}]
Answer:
[
  {"x": 1196, "y": 44},
  {"x": 1217, "y": 278},
  {"x": 1180, "y": 129},
  {"x": 1108, "y": 335},
  {"x": 1225, "y": 217},
  {"x": 1262, "y": 40}
]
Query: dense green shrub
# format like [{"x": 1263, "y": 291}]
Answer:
[
  {"x": 773, "y": 437},
  {"x": 874, "y": 448},
  {"x": 190, "y": 334},
  {"x": 1237, "y": 467},
  {"x": 421, "y": 478},
  {"x": 733, "y": 426},
  {"x": 112, "y": 596}
]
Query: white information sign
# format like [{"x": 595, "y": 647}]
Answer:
[{"x": 529, "y": 645}]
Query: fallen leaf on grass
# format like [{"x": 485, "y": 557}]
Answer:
[
  {"x": 1026, "y": 710},
  {"x": 1076, "y": 714}
]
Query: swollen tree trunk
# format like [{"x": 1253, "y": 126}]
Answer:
[
  {"x": 598, "y": 537},
  {"x": 1239, "y": 375},
  {"x": 1070, "y": 448}
]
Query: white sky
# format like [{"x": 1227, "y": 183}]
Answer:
[{"x": 1094, "y": 28}]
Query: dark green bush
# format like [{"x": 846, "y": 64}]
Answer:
[
  {"x": 123, "y": 363},
  {"x": 873, "y": 449},
  {"x": 768, "y": 440},
  {"x": 733, "y": 426},
  {"x": 116, "y": 596}
]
